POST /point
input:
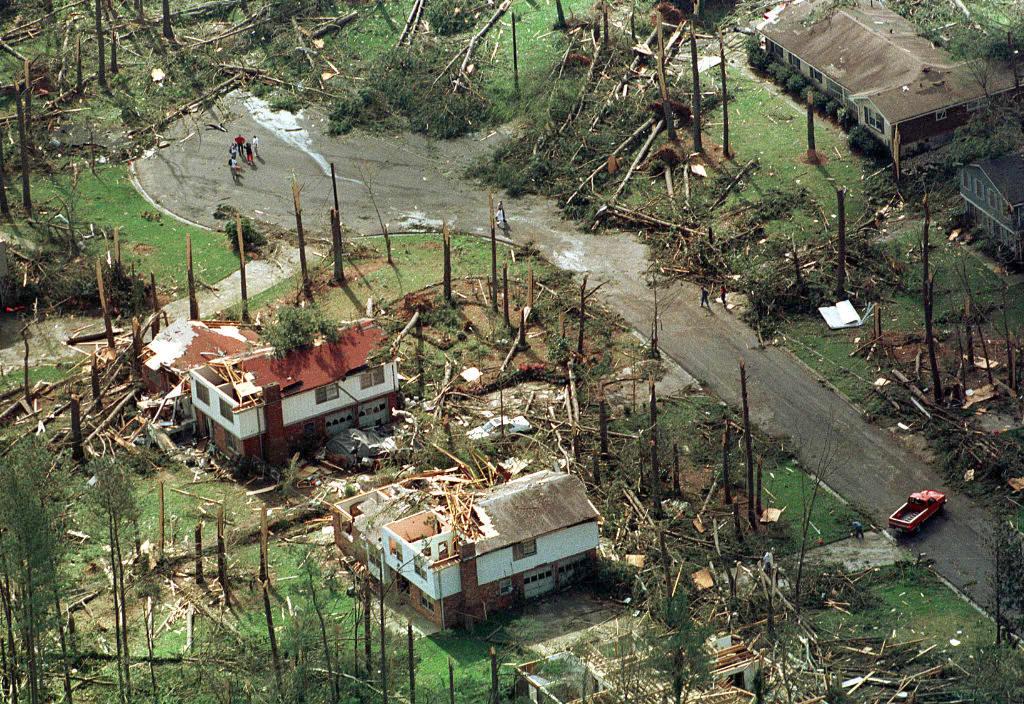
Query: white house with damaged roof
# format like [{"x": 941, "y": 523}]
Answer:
[
  {"x": 459, "y": 552},
  {"x": 909, "y": 93}
]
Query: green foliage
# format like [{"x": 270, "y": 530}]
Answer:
[
  {"x": 289, "y": 102},
  {"x": 253, "y": 238},
  {"x": 991, "y": 134},
  {"x": 864, "y": 142},
  {"x": 757, "y": 57},
  {"x": 407, "y": 87},
  {"x": 559, "y": 349},
  {"x": 448, "y": 17},
  {"x": 996, "y": 675},
  {"x": 296, "y": 328}
]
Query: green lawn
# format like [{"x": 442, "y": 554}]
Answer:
[
  {"x": 153, "y": 241},
  {"x": 790, "y": 488},
  {"x": 910, "y": 603}
]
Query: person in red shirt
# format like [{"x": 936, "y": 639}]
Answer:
[{"x": 240, "y": 141}]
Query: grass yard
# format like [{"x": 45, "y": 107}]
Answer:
[
  {"x": 153, "y": 241},
  {"x": 789, "y": 487},
  {"x": 909, "y": 603}
]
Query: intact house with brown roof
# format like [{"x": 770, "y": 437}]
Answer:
[
  {"x": 909, "y": 93},
  {"x": 458, "y": 552},
  {"x": 993, "y": 193},
  {"x": 257, "y": 405}
]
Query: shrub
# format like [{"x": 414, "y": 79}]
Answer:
[
  {"x": 758, "y": 58},
  {"x": 295, "y": 328},
  {"x": 863, "y": 141},
  {"x": 288, "y": 102},
  {"x": 847, "y": 118},
  {"x": 448, "y": 17},
  {"x": 253, "y": 238},
  {"x": 796, "y": 83}
]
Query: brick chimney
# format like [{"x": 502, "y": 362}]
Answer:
[
  {"x": 275, "y": 445},
  {"x": 471, "y": 606}
]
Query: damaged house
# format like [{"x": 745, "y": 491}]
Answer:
[
  {"x": 910, "y": 94},
  {"x": 993, "y": 194},
  {"x": 186, "y": 344},
  {"x": 258, "y": 405},
  {"x": 458, "y": 552}
]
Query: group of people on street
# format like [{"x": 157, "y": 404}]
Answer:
[
  {"x": 705, "y": 297},
  {"x": 241, "y": 148}
]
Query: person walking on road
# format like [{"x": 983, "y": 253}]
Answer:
[
  {"x": 255, "y": 141},
  {"x": 723, "y": 296},
  {"x": 248, "y": 153},
  {"x": 240, "y": 141},
  {"x": 233, "y": 165},
  {"x": 705, "y": 302},
  {"x": 858, "y": 530}
]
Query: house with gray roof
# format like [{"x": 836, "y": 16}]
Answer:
[
  {"x": 993, "y": 193},
  {"x": 458, "y": 551},
  {"x": 908, "y": 92}
]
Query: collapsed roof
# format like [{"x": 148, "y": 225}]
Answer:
[{"x": 186, "y": 344}]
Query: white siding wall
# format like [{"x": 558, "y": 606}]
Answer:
[
  {"x": 553, "y": 546},
  {"x": 242, "y": 425},
  {"x": 437, "y": 584},
  {"x": 303, "y": 406}
]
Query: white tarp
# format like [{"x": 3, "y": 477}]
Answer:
[{"x": 844, "y": 315}]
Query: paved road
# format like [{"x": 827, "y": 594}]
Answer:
[{"x": 414, "y": 182}]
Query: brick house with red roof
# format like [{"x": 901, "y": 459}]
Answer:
[{"x": 262, "y": 406}]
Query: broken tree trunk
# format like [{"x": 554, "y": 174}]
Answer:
[
  {"x": 602, "y": 423},
  {"x": 655, "y": 478},
  {"x": 494, "y": 253},
  {"x": 297, "y": 204},
  {"x": 222, "y": 557},
  {"x": 748, "y": 447},
  {"x": 264, "y": 538},
  {"x": 101, "y": 65},
  {"x": 200, "y": 579},
  {"x": 241, "y": 266},
  {"x": 928, "y": 290},
  {"x": 26, "y": 163},
  {"x": 725, "y": 100},
  {"x": 666, "y": 106},
  {"x": 108, "y": 328},
  {"x": 155, "y": 302},
  {"x": 726, "y": 482},
  {"x": 5, "y": 207},
  {"x": 504, "y": 295},
  {"x": 193, "y": 303},
  {"x": 841, "y": 255},
  {"x": 168, "y": 31},
  {"x": 698, "y": 145},
  {"x": 446, "y": 247},
  {"x": 113, "y": 52},
  {"x": 583, "y": 317},
  {"x": 337, "y": 246},
  {"x": 272, "y": 636},
  {"x": 77, "y": 453},
  {"x": 812, "y": 152}
]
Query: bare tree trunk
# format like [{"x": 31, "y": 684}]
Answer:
[
  {"x": 193, "y": 302},
  {"x": 446, "y": 247},
  {"x": 272, "y": 636},
  {"x": 113, "y": 52},
  {"x": 166, "y": 13},
  {"x": 583, "y": 317},
  {"x": 812, "y": 152},
  {"x": 748, "y": 447},
  {"x": 928, "y": 290},
  {"x": 26, "y": 162},
  {"x": 726, "y": 481},
  {"x": 108, "y": 327},
  {"x": 560, "y": 23},
  {"x": 725, "y": 100},
  {"x": 494, "y": 253},
  {"x": 655, "y": 478},
  {"x": 297, "y": 203},
  {"x": 841, "y": 263},
  {"x": 101, "y": 65},
  {"x": 602, "y": 421},
  {"x": 666, "y": 104},
  {"x": 5, "y": 207},
  {"x": 241, "y": 266},
  {"x": 200, "y": 579},
  {"x": 328, "y": 657},
  {"x": 412, "y": 663},
  {"x": 79, "y": 81},
  {"x": 695, "y": 107},
  {"x": 337, "y": 245},
  {"x": 504, "y": 295},
  {"x": 64, "y": 662}
]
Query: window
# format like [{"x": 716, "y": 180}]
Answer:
[
  {"x": 203, "y": 393},
  {"x": 773, "y": 48},
  {"x": 794, "y": 61},
  {"x": 816, "y": 75},
  {"x": 232, "y": 444},
  {"x": 225, "y": 410},
  {"x": 940, "y": 115},
  {"x": 327, "y": 393},
  {"x": 426, "y": 602},
  {"x": 374, "y": 377},
  {"x": 505, "y": 586},
  {"x": 524, "y": 549},
  {"x": 975, "y": 104},
  {"x": 420, "y": 565},
  {"x": 834, "y": 88},
  {"x": 991, "y": 199},
  {"x": 874, "y": 119}
]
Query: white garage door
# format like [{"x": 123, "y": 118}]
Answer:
[
  {"x": 538, "y": 581},
  {"x": 373, "y": 413}
]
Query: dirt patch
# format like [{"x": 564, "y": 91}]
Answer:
[
  {"x": 813, "y": 158},
  {"x": 143, "y": 249}
]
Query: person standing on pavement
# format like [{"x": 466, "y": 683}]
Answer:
[
  {"x": 233, "y": 165},
  {"x": 499, "y": 217},
  {"x": 858, "y": 530},
  {"x": 705, "y": 301},
  {"x": 248, "y": 153},
  {"x": 723, "y": 296},
  {"x": 240, "y": 141},
  {"x": 255, "y": 145}
]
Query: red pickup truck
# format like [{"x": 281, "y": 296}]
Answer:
[{"x": 921, "y": 506}]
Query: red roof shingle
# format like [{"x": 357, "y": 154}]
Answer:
[{"x": 305, "y": 369}]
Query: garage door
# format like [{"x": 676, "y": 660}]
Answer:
[
  {"x": 537, "y": 582},
  {"x": 373, "y": 413}
]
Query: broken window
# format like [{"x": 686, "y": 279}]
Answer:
[
  {"x": 374, "y": 377},
  {"x": 225, "y": 410},
  {"x": 505, "y": 586},
  {"x": 203, "y": 394},
  {"x": 326, "y": 393},
  {"x": 524, "y": 549}
]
